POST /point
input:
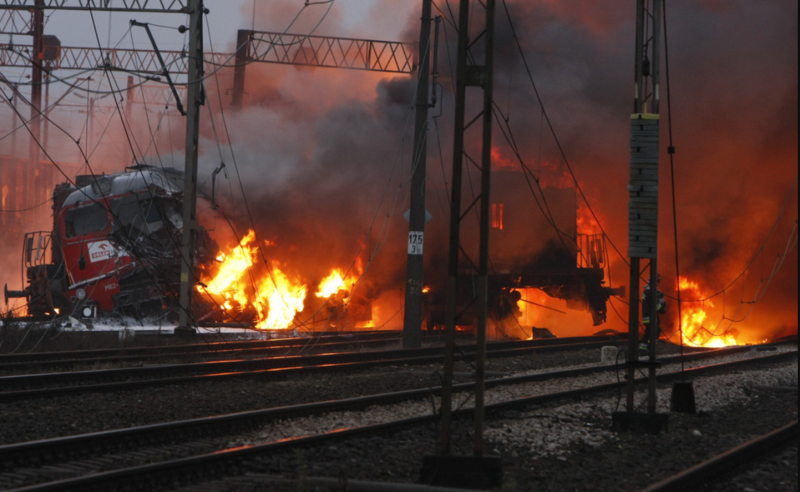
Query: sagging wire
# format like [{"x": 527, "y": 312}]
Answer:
[
  {"x": 553, "y": 133},
  {"x": 130, "y": 144},
  {"x": 671, "y": 152}
]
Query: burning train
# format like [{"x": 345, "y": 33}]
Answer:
[
  {"x": 535, "y": 245},
  {"x": 114, "y": 247}
]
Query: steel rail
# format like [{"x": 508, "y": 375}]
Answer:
[
  {"x": 742, "y": 455},
  {"x": 42, "y": 384},
  {"x": 246, "y": 344},
  {"x": 227, "y": 462},
  {"x": 298, "y": 347},
  {"x": 42, "y": 452},
  {"x": 324, "y": 363},
  {"x": 187, "y": 347}
]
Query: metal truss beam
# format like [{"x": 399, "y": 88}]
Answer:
[
  {"x": 333, "y": 52},
  {"x": 74, "y": 58},
  {"x": 157, "y": 6},
  {"x": 15, "y": 22}
]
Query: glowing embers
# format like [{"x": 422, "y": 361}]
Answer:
[
  {"x": 695, "y": 317},
  {"x": 497, "y": 216}
]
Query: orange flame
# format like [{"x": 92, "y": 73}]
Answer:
[
  {"x": 233, "y": 266},
  {"x": 268, "y": 294},
  {"x": 586, "y": 223},
  {"x": 283, "y": 299},
  {"x": 276, "y": 298},
  {"x": 695, "y": 331},
  {"x": 331, "y": 284},
  {"x": 530, "y": 306}
]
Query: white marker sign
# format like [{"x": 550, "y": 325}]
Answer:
[{"x": 415, "y": 242}]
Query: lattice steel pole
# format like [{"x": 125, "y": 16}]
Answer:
[{"x": 469, "y": 74}]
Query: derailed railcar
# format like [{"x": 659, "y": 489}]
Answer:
[{"x": 114, "y": 248}]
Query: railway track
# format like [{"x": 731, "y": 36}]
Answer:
[
  {"x": 74, "y": 382},
  {"x": 41, "y": 361},
  {"x": 731, "y": 462},
  {"x": 162, "y": 456}
]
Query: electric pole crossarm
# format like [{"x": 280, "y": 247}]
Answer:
[
  {"x": 332, "y": 52},
  {"x": 156, "y": 6}
]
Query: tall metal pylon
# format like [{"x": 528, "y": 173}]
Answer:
[{"x": 470, "y": 73}]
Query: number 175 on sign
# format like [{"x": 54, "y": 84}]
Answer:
[{"x": 415, "y": 242}]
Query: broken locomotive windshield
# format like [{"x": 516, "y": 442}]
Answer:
[
  {"x": 85, "y": 220},
  {"x": 132, "y": 214}
]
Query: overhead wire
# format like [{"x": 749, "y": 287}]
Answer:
[
  {"x": 553, "y": 133},
  {"x": 671, "y": 152},
  {"x": 247, "y": 207}
]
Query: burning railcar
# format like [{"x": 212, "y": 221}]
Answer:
[
  {"x": 114, "y": 247},
  {"x": 535, "y": 244}
]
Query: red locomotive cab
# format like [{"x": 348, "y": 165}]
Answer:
[
  {"x": 93, "y": 259},
  {"x": 118, "y": 251},
  {"x": 114, "y": 249}
]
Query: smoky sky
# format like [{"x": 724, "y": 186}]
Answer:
[{"x": 323, "y": 152}]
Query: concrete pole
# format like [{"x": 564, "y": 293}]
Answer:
[
  {"x": 195, "y": 99},
  {"x": 412, "y": 320}
]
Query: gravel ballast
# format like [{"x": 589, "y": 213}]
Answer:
[{"x": 568, "y": 446}]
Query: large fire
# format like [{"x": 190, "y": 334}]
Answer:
[
  {"x": 331, "y": 285},
  {"x": 696, "y": 332},
  {"x": 274, "y": 298}
]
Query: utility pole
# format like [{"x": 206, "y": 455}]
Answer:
[
  {"x": 28, "y": 180},
  {"x": 195, "y": 98},
  {"x": 412, "y": 319}
]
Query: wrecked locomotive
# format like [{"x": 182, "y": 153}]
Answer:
[{"x": 114, "y": 247}]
